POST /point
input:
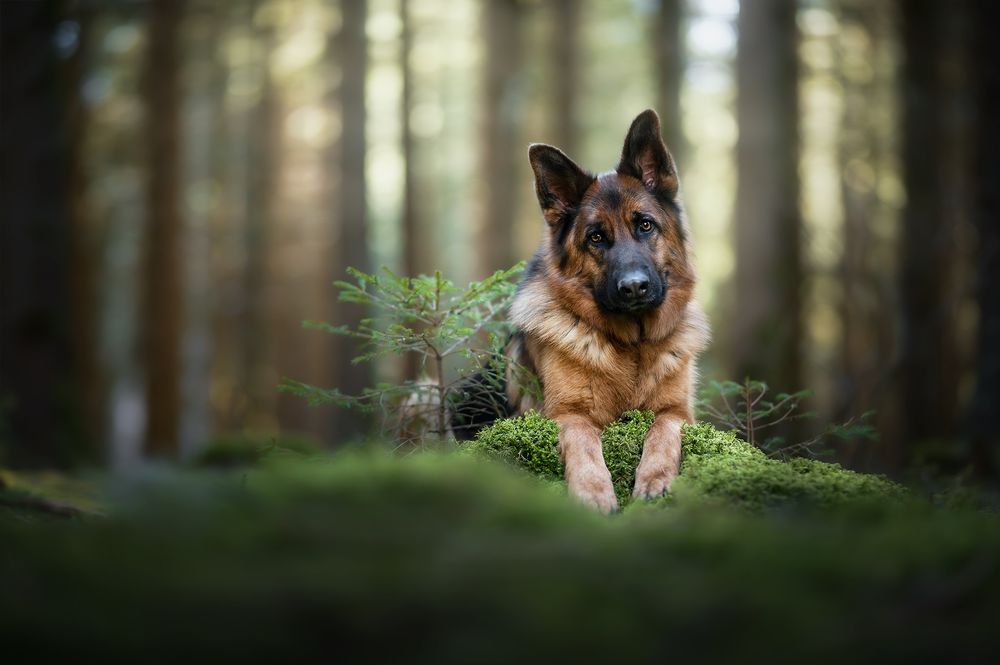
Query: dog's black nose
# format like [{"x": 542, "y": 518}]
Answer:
[{"x": 633, "y": 286}]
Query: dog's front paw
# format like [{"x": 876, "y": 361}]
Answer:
[
  {"x": 597, "y": 493},
  {"x": 652, "y": 480}
]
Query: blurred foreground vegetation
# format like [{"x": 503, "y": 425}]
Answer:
[{"x": 438, "y": 557}]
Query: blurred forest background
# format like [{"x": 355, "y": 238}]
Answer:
[{"x": 183, "y": 180}]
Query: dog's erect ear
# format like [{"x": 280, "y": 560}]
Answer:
[
  {"x": 559, "y": 182},
  {"x": 645, "y": 157}
]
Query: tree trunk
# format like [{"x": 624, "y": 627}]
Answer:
[
  {"x": 162, "y": 291},
  {"x": 766, "y": 326},
  {"x": 351, "y": 205},
  {"x": 262, "y": 176},
  {"x": 35, "y": 242},
  {"x": 928, "y": 357},
  {"x": 416, "y": 254},
  {"x": 981, "y": 423},
  {"x": 865, "y": 152},
  {"x": 503, "y": 156},
  {"x": 207, "y": 138},
  {"x": 414, "y": 250},
  {"x": 87, "y": 248},
  {"x": 565, "y": 76},
  {"x": 668, "y": 49},
  {"x": 859, "y": 350}
]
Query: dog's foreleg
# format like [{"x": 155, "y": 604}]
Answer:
[
  {"x": 586, "y": 473},
  {"x": 661, "y": 456}
]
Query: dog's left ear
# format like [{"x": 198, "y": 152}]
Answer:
[{"x": 645, "y": 157}]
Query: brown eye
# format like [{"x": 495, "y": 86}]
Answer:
[
  {"x": 645, "y": 226},
  {"x": 596, "y": 238}
]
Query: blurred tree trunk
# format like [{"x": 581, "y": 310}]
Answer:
[
  {"x": 866, "y": 152},
  {"x": 87, "y": 248},
  {"x": 207, "y": 138},
  {"x": 264, "y": 146},
  {"x": 37, "y": 199},
  {"x": 416, "y": 250},
  {"x": 351, "y": 56},
  {"x": 982, "y": 413},
  {"x": 853, "y": 147},
  {"x": 859, "y": 310},
  {"x": 565, "y": 77},
  {"x": 162, "y": 291},
  {"x": 668, "y": 49},
  {"x": 502, "y": 155},
  {"x": 928, "y": 357},
  {"x": 766, "y": 325},
  {"x": 234, "y": 136},
  {"x": 415, "y": 254}
]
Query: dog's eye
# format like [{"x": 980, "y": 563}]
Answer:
[
  {"x": 645, "y": 226},
  {"x": 597, "y": 238}
]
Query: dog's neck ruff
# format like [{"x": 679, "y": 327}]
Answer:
[{"x": 561, "y": 314}]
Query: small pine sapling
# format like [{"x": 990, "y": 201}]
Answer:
[
  {"x": 750, "y": 409},
  {"x": 453, "y": 332}
]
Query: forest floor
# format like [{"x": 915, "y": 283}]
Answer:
[{"x": 443, "y": 557}]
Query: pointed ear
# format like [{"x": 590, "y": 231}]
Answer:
[
  {"x": 646, "y": 158},
  {"x": 559, "y": 182}
]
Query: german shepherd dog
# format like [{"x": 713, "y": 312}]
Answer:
[{"x": 605, "y": 311}]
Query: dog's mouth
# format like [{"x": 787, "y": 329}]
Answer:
[{"x": 639, "y": 307}]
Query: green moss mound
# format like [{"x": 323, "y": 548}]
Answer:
[
  {"x": 528, "y": 442},
  {"x": 716, "y": 467},
  {"x": 531, "y": 443}
]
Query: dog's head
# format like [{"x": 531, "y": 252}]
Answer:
[{"x": 622, "y": 233}]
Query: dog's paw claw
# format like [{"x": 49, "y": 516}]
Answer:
[
  {"x": 603, "y": 500},
  {"x": 651, "y": 485}
]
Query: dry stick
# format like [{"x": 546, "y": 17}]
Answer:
[
  {"x": 782, "y": 418},
  {"x": 803, "y": 445},
  {"x": 442, "y": 406},
  {"x": 715, "y": 413},
  {"x": 749, "y": 407},
  {"x": 736, "y": 419}
]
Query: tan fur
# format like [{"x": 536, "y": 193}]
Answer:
[{"x": 594, "y": 365}]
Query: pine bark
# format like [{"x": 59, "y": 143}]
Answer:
[
  {"x": 351, "y": 55},
  {"x": 765, "y": 324},
  {"x": 502, "y": 159},
  {"x": 264, "y": 146},
  {"x": 981, "y": 419},
  {"x": 565, "y": 76},
  {"x": 668, "y": 49},
  {"x": 928, "y": 368},
  {"x": 415, "y": 251},
  {"x": 162, "y": 290}
]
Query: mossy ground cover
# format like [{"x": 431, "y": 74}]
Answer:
[
  {"x": 716, "y": 467},
  {"x": 439, "y": 557}
]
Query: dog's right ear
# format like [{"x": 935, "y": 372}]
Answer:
[{"x": 559, "y": 182}]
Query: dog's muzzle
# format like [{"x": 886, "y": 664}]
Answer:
[{"x": 632, "y": 291}]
